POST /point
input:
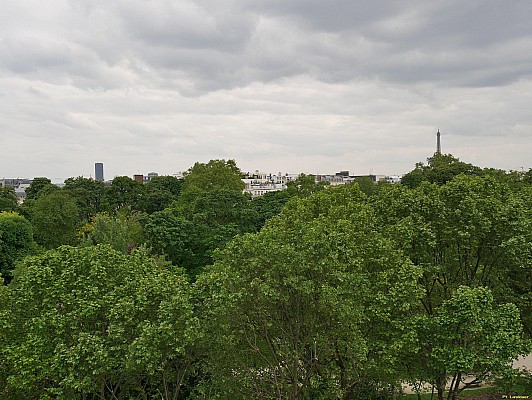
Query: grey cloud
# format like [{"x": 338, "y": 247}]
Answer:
[
  {"x": 333, "y": 16},
  {"x": 416, "y": 41},
  {"x": 184, "y": 25},
  {"x": 313, "y": 84},
  {"x": 29, "y": 53},
  {"x": 201, "y": 46}
]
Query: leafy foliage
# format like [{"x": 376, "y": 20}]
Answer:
[
  {"x": 8, "y": 199},
  {"x": 470, "y": 232},
  {"x": 160, "y": 192},
  {"x": 310, "y": 305},
  {"x": 122, "y": 231},
  {"x": 92, "y": 321},
  {"x": 124, "y": 193},
  {"x": 304, "y": 186},
  {"x": 469, "y": 339},
  {"x": 216, "y": 174},
  {"x": 189, "y": 233},
  {"x": 55, "y": 219},
  {"x": 16, "y": 241},
  {"x": 315, "y": 292},
  {"x": 440, "y": 169},
  {"x": 268, "y": 206},
  {"x": 88, "y": 194},
  {"x": 209, "y": 211},
  {"x": 38, "y": 187},
  {"x": 464, "y": 233}
]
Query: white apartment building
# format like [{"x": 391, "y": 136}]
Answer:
[{"x": 259, "y": 183}]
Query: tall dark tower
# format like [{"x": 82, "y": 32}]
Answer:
[
  {"x": 98, "y": 170},
  {"x": 438, "y": 142}
]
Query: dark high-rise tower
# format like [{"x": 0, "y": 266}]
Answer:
[
  {"x": 438, "y": 142},
  {"x": 98, "y": 170}
]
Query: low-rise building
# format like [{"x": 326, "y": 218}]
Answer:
[
  {"x": 19, "y": 184},
  {"x": 259, "y": 183}
]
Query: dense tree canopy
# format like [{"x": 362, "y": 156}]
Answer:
[
  {"x": 304, "y": 186},
  {"x": 39, "y": 186},
  {"x": 55, "y": 219},
  {"x": 216, "y": 174},
  {"x": 471, "y": 231},
  {"x": 208, "y": 212},
  {"x": 8, "y": 199},
  {"x": 16, "y": 242},
  {"x": 268, "y": 206},
  {"x": 189, "y": 233},
  {"x": 94, "y": 323},
  {"x": 468, "y": 339},
  {"x": 527, "y": 177},
  {"x": 122, "y": 231},
  {"x": 88, "y": 194},
  {"x": 167, "y": 183},
  {"x": 313, "y": 305},
  {"x": 124, "y": 193},
  {"x": 315, "y": 292},
  {"x": 160, "y": 192},
  {"x": 440, "y": 169}
]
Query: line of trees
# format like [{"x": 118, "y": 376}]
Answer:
[{"x": 189, "y": 289}]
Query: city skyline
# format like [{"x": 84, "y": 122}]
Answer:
[
  {"x": 96, "y": 174},
  {"x": 312, "y": 87}
]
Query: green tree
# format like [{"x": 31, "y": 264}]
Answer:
[
  {"x": 8, "y": 199},
  {"x": 527, "y": 177},
  {"x": 468, "y": 340},
  {"x": 304, "y": 186},
  {"x": 88, "y": 194},
  {"x": 94, "y": 323},
  {"x": 189, "y": 233},
  {"x": 366, "y": 184},
  {"x": 209, "y": 211},
  {"x": 160, "y": 192},
  {"x": 16, "y": 242},
  {"x": 55, "y": 219},
  {"x": 511, "y": 178},
  {"x": 268, "y": 206},
  {"x": 4, "y": 337},
  {"x": 39, "y": 186},
  {"x": 170, "y": 234},
  {"x": 122, "y": 231},
  {"x": 514, "y": 283},
  {"x": 471, "y": 231},
  {"x": 440, "y": 169},
  {"x": 216, "y": 174},
  {"x": 313, "y": 306},
  {"x": 415, "y": 177},
  {"x": 124, "y": 193},
  {"x": 169, "y": 184}
]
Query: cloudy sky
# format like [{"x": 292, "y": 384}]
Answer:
[{"x": 313, "y": 86}]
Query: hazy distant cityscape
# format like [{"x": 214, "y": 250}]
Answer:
[{"x": 257, "y": 183}]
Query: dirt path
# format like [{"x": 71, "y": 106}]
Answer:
[
  {"x": 521, "y": 362},
  {"x": 524, "y": 362}
]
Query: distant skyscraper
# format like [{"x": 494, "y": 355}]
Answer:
[
  {"x": 98, "y": 170},
  {"x": 438, "y": 142}
]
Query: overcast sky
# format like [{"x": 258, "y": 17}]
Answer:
[{"x": 313, "y": 86}]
